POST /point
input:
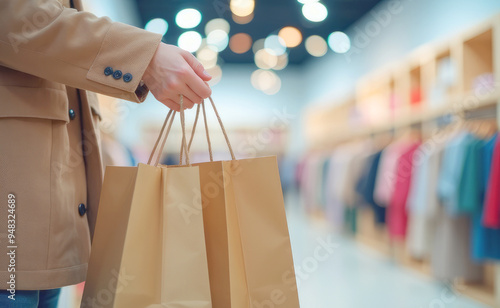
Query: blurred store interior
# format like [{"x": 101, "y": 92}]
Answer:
[{"x": 383, "y": 116}]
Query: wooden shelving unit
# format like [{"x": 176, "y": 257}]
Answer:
[{"x": 446, "y": 78}]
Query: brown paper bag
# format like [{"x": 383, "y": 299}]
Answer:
[
  {"x": 146, "y": 251},
  {"x": 248, "y": 245}
]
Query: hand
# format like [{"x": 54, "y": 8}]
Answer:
[{"x": 174, "y": 71}]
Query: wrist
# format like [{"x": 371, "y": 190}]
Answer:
[{"x": 148, "y": 76}]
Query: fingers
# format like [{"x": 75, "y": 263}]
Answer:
[
  {"x": 197, "y": 80},
  {"x": 172, "y": 105},
  {"x": 199, "y": 86},
  {"x": 173, "y": 102},
  {"x": 190, "y": 95},
  {"x": 197, "y": 66}
]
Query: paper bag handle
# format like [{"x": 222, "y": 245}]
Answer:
[{"x": 184, "y": 148}]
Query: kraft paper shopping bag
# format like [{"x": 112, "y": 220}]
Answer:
[
  {"x": 248, "y": 245},
  {"x": 146, "y": 253}
]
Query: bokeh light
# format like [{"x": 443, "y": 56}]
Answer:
[
  {"x": 217, "y": 24},
  {"x": 258, "y": 45},
  {"x": 282, "y": 62},
  {"x": 291, "y": 36},
  {"x": 188, "y": 18},
  {"x": 316, "y": 46},
  {"x": 266, "y": 81},
  {"x": 240, "y": 43},
  {"x": 243, "y": 20},
  {"x": 276, "y": 44},
  {"x": 218, "y": 39},
  {"x": 265, "y": 59},
  {"x": 242, "y": 8},
  {"x": 207, "y": 56},
  {"x": 157, "y": 25},
  {"x": 216, "y": 73},
  {"x": 315, "y": 11},
  {"x": 339, "y": 42},
  {"x": 190, "y": 41}
]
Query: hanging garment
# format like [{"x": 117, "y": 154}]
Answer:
[
  {"x": 451, "y": 171},
  {"x": 311, "y": 181},
  {"x": 356, "y": 166},
  {"x": 491, "y": 214},
  {"x": 396, "y": 213},
  {"x": 485, "y": 241},
  {"x": 365, "y": 186},
  {"x": 336, "y": 183},
  {"x": 422, "y": 203},
  {"x": 471, "y": 185},
  {"x": 387, "y": 172},
  {"x": 333, "y": 207},
  {"x": 450, "y": 257},
  {"x": 322, "y": 192}
]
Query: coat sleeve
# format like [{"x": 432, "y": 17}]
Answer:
[{"x": 45, "y": 39}]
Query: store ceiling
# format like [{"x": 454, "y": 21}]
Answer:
[{"x": 269, "y": 17}]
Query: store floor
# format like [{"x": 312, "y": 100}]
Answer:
[{"x": 334, "y": 271}]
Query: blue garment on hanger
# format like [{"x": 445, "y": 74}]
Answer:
[
  {"x": 366, "y": 186},
  {"x": 485, "y": 241},
  {"x": 451, "y": 171}
]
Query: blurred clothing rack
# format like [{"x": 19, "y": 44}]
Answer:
[{"x": 385, "y": 103}]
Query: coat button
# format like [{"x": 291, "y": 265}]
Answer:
[
  {"x": 127, "y": 77},
  {"x": 117, "y": 74},
  {"x": 72, "y": 114},
  {"x": 81, "y": 209},
  {"x": 108, "y": 71}
]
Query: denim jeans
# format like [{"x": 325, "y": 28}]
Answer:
[{"x": 30, "y": 299}]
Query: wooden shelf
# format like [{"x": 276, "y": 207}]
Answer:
[
  {"x": 442, "y": 73},
  {"x": 452, "y": 107}
]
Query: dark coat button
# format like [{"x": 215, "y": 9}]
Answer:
[
  {"x": 81, "y": 209},
  {"x": 127, "y": 77},
  {"x": 72, "y": 114},
  {"x": 108, "y": 71},
  {"x": 117, "y": 74}
]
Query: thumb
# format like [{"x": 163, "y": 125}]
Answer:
[{"x": 198, "y": 67}]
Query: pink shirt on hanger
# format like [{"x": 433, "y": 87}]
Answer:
[
  {"x": 396, "y": 213},
  {"x": 387, "y": 172}
]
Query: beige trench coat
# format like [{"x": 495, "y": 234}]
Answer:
[{"x": 49, "y": 141}]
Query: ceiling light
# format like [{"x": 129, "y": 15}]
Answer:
[
  {"x": 240, "y": 43},
  {"x": 291, "y": 36},
  {"x": 188, "y": 18},
  {"x": 339, "y": 42},
  {"x": 276, "y": 44},
  {"x": 242, "y": 8},
  {"x": 218, "y": 39},
  {"x": 157, "y": 25},
  {"x": 217, "y": 24},
  {"x": 189, "y": 41},
  {"x": 316, "y": 46},
  {"x": 265, "y": 59},
  {"x": 315, "y": 11},
  {"x": 243, "y": 20},
  {"x": 307, "y": 1}
]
